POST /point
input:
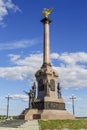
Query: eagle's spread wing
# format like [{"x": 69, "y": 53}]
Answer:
[
  {"x": 50, "y": 10},
  {"x": 43, "y": 12},
  {"x": 46, "y": 12}
]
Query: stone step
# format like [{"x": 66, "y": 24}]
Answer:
[
  {"x": 31, "y": 125},
  {"x": 22, "y": 115}
]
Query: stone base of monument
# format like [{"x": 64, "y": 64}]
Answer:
[
  {"x": 47, "y": 109},
  {"x": 46, "y": 114}
]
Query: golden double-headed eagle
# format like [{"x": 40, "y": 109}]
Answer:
[{"x": 46, "y": 12}]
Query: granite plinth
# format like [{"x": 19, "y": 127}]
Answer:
[
  {"x": 47, "y": 114},
  {"x": 49, "y": 105}
]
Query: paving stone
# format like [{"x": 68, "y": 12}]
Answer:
[{"x": 19, "y": 125}]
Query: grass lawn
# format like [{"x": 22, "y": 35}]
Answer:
[{"x": 61, "y": 124}]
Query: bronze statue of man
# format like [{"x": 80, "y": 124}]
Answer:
[{"x": 59, "y": 91}]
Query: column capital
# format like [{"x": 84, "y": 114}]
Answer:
[{"x": 46, "y": 20}]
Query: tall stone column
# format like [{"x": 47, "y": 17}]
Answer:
[{"x": 46, "y": 49}]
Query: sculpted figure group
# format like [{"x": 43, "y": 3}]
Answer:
[{"x": 32, "y": 94}]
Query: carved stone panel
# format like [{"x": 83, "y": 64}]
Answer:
[
  {"x": 49, "y": 105},
  {"x": 52, "y": 85},
  {"x": 40, "y": 85}
]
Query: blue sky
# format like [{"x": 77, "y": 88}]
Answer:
[{"x": 21, "y": 48}]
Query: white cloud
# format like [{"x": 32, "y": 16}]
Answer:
[
  {"x": 5, "y": 6},
  {"x": 20, "y": 96},
  {"x": 10, "y": 5},
  {"x": 19, "y": 44},
  {"x": 23, "y": 69},
  {"x": 73, "y": 58},
  {"x": 72, "y": 76},
  {"x": 14, "y": 57},
  {"x": 33, "y": 60},
  {"x": 72, "y": 68},
  {"x": 54, "y": 56},
  {"x": 3, "y": 10},
  {"x": 14, "y": 73}
]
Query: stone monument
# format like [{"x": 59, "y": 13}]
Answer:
[{"x": 47, "y": 105}]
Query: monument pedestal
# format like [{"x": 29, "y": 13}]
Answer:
[
  {"x": 49, "y": 108},
  {"x": 46, "y": 114}
]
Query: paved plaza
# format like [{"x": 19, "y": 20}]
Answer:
[{"x": 19, "y": 125}]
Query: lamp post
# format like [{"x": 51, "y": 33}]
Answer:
[
  {"x": 72, "y": 98},
  {"x": 8, "y": 98}
]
